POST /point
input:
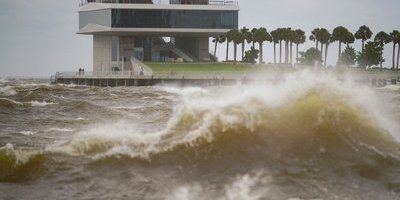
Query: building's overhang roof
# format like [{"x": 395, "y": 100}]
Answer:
[
  {"x": 95, "y": 29},
  {"x": 102, "y": 6}
]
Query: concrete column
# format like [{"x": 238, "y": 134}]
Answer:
[{"x": 101, "y": 54}]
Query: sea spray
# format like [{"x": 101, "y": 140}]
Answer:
[
  {"x": 307, "y": 100},
  {"x": 307, "y": 136}
]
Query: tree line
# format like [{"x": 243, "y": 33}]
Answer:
[{"x": 286, "y": 38}]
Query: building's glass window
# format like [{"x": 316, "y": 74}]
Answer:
[
  {"x": 207, "y": 19},
  {"x": 100, "y": 17},
  {"x": 114, "y": 48}
]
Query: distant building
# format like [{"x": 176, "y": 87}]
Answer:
[{"x": 125, "y": 31}]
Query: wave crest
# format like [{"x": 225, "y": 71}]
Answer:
[
  {"x": 318, "y": 116},
  {"x": 20, "y": 165}
]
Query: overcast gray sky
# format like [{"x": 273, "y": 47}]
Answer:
[{"x": 37, "y": 37}]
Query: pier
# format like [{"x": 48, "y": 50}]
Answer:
[{"x": 374, "y": 79}]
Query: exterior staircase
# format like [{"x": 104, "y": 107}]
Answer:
[{"x": 140, "y": 68}]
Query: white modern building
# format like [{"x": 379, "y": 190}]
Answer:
[{"x": 126, "y": 32}]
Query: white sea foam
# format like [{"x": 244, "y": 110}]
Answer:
[
  {"x": 392, "y": 87},
  {"x": 41, "y": 104},
  {"x": 59, "y": 130},
  {"x": 245, "y": 187},
  {"x": 185, "y": 91},
  {"x": 27, "y": 133},
  {"x": 215, "y": 106},
  {"x": 80, "y": 119},
  {"x": 7, "y": 91},
  {"x": 7, "y": 147},
  {"x": 126, "y": 107}
]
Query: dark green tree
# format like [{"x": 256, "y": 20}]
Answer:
[
  {"x": 260, "y": 36},
  {"x": 372, "y": 55},
  {"x": 311, "y": 57},
  {"x": 348, "y": 57},
  {"x": 251, "y": 55},
  {"x": 363, "y": 34},
  {"x": 382, "y": 38}
]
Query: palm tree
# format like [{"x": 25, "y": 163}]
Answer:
[
  {"x": 363, "y": 34},
  {"x": 349, "y": 39},
  {"x": 253, "y": 31},
  {"x": 237, "y": 38},
  {"x": 229, "y": 38},
  {"x": 218, "y": 39},
  {"x": 393, "y": 35},
  {"x": 260, "y": 36},
  {"x": 299, "y": 39},
  {"x": 275, "y": 40},
  {"x": 341, "y": 35},
  {"x": 280, "y": 33},
  {"x": 325, "y": 38},
  {"x": 245, "y": 33},
  {"x": 382, "y": 38},
  {"x": 292, "y": 39},
  {"x": 286, "y": 37},
  {"x": 315, "y": 36}
]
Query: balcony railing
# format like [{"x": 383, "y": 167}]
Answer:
[{"x": 162, "y": 2}]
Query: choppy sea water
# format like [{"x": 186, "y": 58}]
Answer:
[{"x": 309, "y": 136}]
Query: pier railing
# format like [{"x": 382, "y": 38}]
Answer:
[{"x": 162, "y": 2}]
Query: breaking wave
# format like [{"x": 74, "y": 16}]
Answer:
[
  {"x": 19, "y": 165},
  {"x": 303, "y": 117},
  {"x": 7, "y": 91}
]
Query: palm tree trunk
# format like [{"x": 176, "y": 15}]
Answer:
[
  {"x": 274, "y": 53},
  {"x": 291, "y": 53},
  {"x": 243, "y": 50},
  {"x": 340, "y": 51},
  {"x": 261, "y": 53},
  {"x": 362, "y": 46},
  {"x": 326, "y": 53},
  {"x": 394, "y": 55},
  {"x": 316, "y": 44},
  {"x": 380, "y": 63},
  {"x": 235, "y": 51},
  {"x": 398, "y": 56},
  {"x": 322, "y": 49},
  {"x": 227, "y": 50},
  {"x": 280, "y": 51},
  {"x": 253, "y": 44},
  {"x": 286, "y": 52},
  {"x": 297, "y": 53},
  {"x": 215, "y": 49}
]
